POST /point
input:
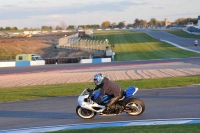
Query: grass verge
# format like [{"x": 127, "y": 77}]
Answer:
[
  {"x": 69, "y": 89},
  {"x": 181, "y": 33},
  {"x": 131, "y": 45},
  {"x": 180, "y": 128}
]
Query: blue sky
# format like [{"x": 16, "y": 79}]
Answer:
[{"x": 35, "y": 13}]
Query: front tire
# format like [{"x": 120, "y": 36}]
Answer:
[
  {"x": 85, "y": 113},
  {"x": 136, "y": 106}
]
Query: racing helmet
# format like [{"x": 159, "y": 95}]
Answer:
[{"x": 98, "y": 78}]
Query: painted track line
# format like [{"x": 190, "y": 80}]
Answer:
[{"x": 104, "y": 124}]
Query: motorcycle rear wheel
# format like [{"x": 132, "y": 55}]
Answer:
[
  {"x": 84, "y": 113},
  {"x": 136, "y": 106}
]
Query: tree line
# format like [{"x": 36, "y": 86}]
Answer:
[
  {"x": 153, "y": 22},
  {"x": 107, "y": 24}
]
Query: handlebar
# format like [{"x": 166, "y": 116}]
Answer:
[{"x": 90, "y": 94}]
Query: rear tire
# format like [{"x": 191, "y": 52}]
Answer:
[
  {"x": 85, "y": 113},
  {"x": 136, "y": 106}
]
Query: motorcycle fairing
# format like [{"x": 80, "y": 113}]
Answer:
[
  {"x": 130, "y": 91},
  {"x": 127, "y": 93},
  {"x": 88, "y": 105},
  {"x": 105, "y": 98}
]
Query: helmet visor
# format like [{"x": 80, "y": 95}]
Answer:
[{"x": 95, "y": 81}]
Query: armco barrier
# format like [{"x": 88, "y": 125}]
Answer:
[
  {"x": 37, "y": 63},
  {"x": 22, "y": 63},
  {"x": 7, "y": 64},
  {"x": 96, "y": 60},
  {"x": 61, "y": 60},
  {"x": 53, "y": 61},
  {"x": 30, "y": 63}
]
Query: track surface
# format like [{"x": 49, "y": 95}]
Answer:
[
  {"x": 168, "y": 103},
  {"x": 184, "y": 42},
  {"x": 31, "y": 69}
]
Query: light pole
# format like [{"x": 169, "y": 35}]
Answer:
[
  {"x": 106, "y": 43},
  {"x": 86, "y": 45},
  {"x": 96, "y": 45}
]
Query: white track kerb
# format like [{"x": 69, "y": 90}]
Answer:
[{"x": 104, "y": 124}]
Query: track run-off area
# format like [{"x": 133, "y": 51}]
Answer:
[{"x": 174, "y": 105}]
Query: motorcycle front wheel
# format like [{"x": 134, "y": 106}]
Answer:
[{"x": 84, "y": 113}]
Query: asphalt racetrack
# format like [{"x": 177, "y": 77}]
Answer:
[
  {"x": 161, "y": 103},
  {"x": 184, "y": 42},
  {"x": 165, "y": 103}
]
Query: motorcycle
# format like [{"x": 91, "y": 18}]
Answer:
[
  {"x": 196, "y": 43},
  {"x": 87, "y": 108}
]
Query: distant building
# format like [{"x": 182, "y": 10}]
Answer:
[
  {"x": 167, "y": 23},
  {"x": 191, "y": 28},
  {"x": 189, "y": 24},
  {"x": 81, "y": 33},
  {"x": 124, "y": 23}
]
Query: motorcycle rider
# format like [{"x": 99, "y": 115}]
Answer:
[
  {"x": 196, "y": 42},
  {"x": 110, "y": 88}
]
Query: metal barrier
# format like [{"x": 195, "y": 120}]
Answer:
[{"x": 62, "y": 60}]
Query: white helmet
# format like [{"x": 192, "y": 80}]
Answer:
[{"x": 98, "y": 78}]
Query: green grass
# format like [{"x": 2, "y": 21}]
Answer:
[
  {"x": 36, "y": 92},
  {"x": 183, "y": 34},
  {"x": 179, "y": 128},
  {"x": 131, "y": 45}
]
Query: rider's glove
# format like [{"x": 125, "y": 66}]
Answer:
[{"x": 88, "y": 89}]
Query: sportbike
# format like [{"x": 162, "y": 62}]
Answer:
[{"x": 87, "y": 108}]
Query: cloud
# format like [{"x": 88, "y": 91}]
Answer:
[
  {"x": 9, "y": 12},
  {"x": 158, "y": 7}
]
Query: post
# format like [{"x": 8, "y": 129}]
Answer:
[
  {"x": 113, "y": 56},
  {"x": 106, "y": 43}
]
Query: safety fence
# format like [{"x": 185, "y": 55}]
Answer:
[
  {"x": 68, "y": 40},
  {"x": 62, "y": 60},
  {"x": 80, "y": 59},
  {"x": 194, "y": 33},
  {"x": 83, "y": 45}
]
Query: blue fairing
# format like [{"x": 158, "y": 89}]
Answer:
[
  {"x": 130, "y": 91},
  {"x": 127, "y": 93},
  {"x": 96, "y": 94},
  {"x": 104, "y": 99}
]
